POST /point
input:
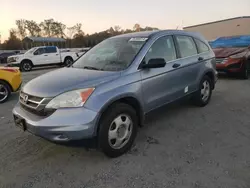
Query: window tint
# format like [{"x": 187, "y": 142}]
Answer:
[
  {"x": 162, "y": 48},
  {"x": 50, "y": 49},
  {"x": 39, "y": 51},
  {"x": 202, "y": 47},
  {"x": 186, "y": 46}
]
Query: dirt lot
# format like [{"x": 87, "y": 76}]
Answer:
[{"x": 181, "y": 146}]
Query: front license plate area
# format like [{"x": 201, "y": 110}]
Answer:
[{"x": 20, "y": 122}]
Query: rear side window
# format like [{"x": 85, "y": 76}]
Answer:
[
  {"x": 186, "y": 46},
  {"x": 51, "y": 49},
  {"x": 202, "y": 47}
]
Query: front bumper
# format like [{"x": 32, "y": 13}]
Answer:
[
  {"x": 62, "y": 126},
  {"x": 231, "y": 66}
]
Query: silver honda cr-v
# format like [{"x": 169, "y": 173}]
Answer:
[{"x": 109, "y": 90}]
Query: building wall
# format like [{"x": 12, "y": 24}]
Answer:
[{"x": 211, "y": 31}]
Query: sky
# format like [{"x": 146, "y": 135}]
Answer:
[{"x": 99, "y": 15}]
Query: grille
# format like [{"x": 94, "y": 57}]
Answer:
[
  {"x": 35, "y": 105},
  {"x": 221, "y": 60}
]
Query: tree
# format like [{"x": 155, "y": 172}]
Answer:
[
  {"x": 21, "y": 28},
  {"x": 117, "y": 28},
  {"x": 33, "y": 28},
  {"x": 57, "y": 29},
  {"x": 13, "y": 43},
  {"x": 46, "y": 26},
  {"x": 137, "y": 27}
]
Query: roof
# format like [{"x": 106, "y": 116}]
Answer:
[
  {"x": 138, "y": 34},
  {"x": 242, "y": 17},
  {"x": 45, "y": 39},
  {"x": 148, "y": 34}
]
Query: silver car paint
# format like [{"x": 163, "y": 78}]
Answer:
[{"x": 151, "y": 88}]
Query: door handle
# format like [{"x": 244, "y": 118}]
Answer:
[
  {"x": 176, "y": 65},
  {"x": 45, "y": 55},
  {"x": 57, "y": 54},
  {"x": 200, "y": 58}
]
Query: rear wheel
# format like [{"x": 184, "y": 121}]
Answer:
[
  {"x": 68, "y": 61},
  {"x": 245, "y": 73},
  {"x": 203, "y": 95},
  {"x": 26, "y": 66},
  {"x": 118, "y": 129},
  {"x": 5, "y": 91}
]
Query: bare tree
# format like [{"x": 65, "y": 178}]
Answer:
[
  {"x": 117, "y": 28},
  {"x": 21, "y": 28},
  {"x": 137, "y": 27},
  {"x": 33, "y": 28},
  {"x": 46, "y": 26}
]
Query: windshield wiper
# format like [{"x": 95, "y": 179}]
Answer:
[{"x": 91, "y": 68}]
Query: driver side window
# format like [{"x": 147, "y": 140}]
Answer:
[
  {"x": 163, "y": 48},
  {"x": 39, "y": 51}
]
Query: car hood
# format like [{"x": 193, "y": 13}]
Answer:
[
  {"x": 65, "y": 79},
  {"x": 226, "y": 52},
  {"x": 14, "y": 56}
]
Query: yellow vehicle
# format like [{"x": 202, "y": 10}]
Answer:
[{"x": 10, "y": 81}]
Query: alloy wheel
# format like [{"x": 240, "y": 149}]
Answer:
[
  {"x": 205, "y": 91},
  {"x": 3, "y": 92}
]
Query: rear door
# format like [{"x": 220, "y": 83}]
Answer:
[
  {"x": 189, "y": 61},
  {"x": 52, "y": 55}
]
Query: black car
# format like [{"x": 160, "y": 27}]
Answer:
[{"x": 4, "y": 56}]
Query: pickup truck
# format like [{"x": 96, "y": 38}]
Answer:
[{"x": 41, "y": 56}]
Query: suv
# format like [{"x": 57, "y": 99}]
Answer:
[
  {"x": 107, "y": 92},
  {"x": 233, "y": 55}
]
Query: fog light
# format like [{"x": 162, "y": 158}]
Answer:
[{"x": 61, "y": 137}]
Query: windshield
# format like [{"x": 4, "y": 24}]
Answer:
[
  {"x": 30, "y": 51},
  {"x": 113, "y": 54}
]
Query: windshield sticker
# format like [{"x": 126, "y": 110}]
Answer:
[{"x": 138, "y": 39}]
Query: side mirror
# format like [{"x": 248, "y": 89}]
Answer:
[{"x": 154, "y": 63}]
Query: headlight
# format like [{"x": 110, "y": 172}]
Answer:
[
  {"x": 70, "y": 99},
  {"x": 12, "y": 59},
  {"x": 239, "y": 55}
]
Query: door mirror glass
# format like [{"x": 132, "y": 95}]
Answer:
[{"x": 154, "y": 63}]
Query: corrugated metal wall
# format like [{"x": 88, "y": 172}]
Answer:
[{"x": 239, "y": 26}]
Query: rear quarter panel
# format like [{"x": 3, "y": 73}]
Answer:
[{"x": 14, "y": 79}]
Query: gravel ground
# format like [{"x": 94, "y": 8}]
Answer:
[{"x": 180, "y": 146}]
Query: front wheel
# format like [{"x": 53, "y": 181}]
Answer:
[
  {"x": 203, "y": 95},
  {"x": 26, "y": 66},
  {"x": 118, "y": 129},
  {"x": 5, "y": 91}
]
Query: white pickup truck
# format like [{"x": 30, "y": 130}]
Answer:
[{"x": 41, "y": 56}]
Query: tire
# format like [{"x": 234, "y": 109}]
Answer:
[
  {"x": 5, "y": 91},
  {"x": 202, "y": 97},
  {"x": 68, "y": 62},
  {"x": 245, "y": 73},
  {"x": 117, "y": 130},
  {"x": 26, "y": 66}
]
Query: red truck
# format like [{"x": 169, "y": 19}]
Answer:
[{"x": 233, "y": 55}]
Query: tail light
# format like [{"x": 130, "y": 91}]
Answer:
[{"x": 10, "y": 69}]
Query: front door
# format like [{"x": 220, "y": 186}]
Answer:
[
  {"x": 162, "y": 85},
  {"x": 40, "y": 57}
]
